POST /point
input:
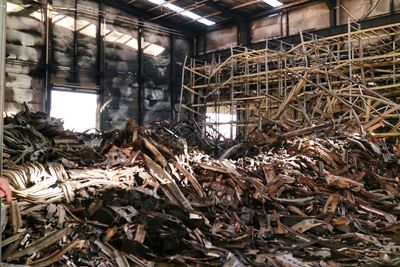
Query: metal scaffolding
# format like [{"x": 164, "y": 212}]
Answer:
[{"x": 350, "y": 80}]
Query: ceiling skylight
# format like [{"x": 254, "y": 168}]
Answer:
[
  {"x": 273, "y": 3},
  {"x": 183, "y": 12}
]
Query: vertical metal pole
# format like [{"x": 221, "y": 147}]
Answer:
[
  {"x": 394, "y": 58},
  {"x": 141, "y": 74},
  {"x": 266, "y": 79},
  {"x": 182, "y": 88},
  {"x": 75, "y": 48},
  {"x": 100, "y": 60},
  {"x": 172, "y": 71},
  {"x": 48, "y": 55},
  {"x": 350, "y": 47},
  {"x": 3, "y": 15},
  {"x": 232, "y": 103}
]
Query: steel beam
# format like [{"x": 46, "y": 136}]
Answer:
[
  {"x": 140, "y": 77},
  {"x": 75, "y": 48},
  {"x": 242, "y": 23},
  {"x": 144, "y": 15},
  {"x": 100, "y": 61},
  {"x": 3, "y": 15},
  {"x": 48, "y": 54},
  {"x": 172, "y": 71},
  {"x": 225, "y": 11},
  {"x": 332, "y": 12}
]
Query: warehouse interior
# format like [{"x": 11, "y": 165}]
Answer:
[{"x": 200, "y": 133}]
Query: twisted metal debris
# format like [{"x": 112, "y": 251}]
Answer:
[{"x": 147, "y": 197}]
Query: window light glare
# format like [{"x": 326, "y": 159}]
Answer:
[
  {"x": 183, "y": 12},
  {"x": 206, "y": 22},
  {"x": 173, "y": 7},
  {"x": 190, "y": 15},
  {"x": 154, "y": 50},
  {"x": 157, "y": 2},
  {"x": 273, "y": 3}
]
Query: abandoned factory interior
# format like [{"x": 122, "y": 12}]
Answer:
[{"x": 233, "y": 133}]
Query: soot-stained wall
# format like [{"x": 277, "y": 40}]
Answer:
[
  {"x": 74, "y": 43},
  {"x": 86, "y": 45},
  {"x": 156, "y": 64},
  {"x": 24, "y": 56},
  {"x": 121, "y": 70},
  {"x": 290, "y": 21},
  {"x": 182, "y": 48},
  {"x": 75, "y": 52},
  {"x": 62, "y": 56}
]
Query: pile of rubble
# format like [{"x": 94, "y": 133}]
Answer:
[{"x": 139, "y": 197}]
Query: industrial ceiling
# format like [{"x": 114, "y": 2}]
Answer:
[{"x": 205, "y": 15}]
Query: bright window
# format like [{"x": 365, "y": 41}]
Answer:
[
  {"x": 78, "y": 110},
  {"x": 221, "y": 122}
]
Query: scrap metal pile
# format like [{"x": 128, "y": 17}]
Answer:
[{"x": 139, "y": 196}]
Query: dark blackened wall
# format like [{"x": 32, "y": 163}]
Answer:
[
  {"x": 86, "y": 45},
  {"x": 74, "y": 43},
  {"x": 75, "y": 51},
  {"x": 24, "y": 56},
  {"x": 62, "y": 52},
  {"x": 121, "y": 70},
  {"x": 182, "y": 49},
  {"x": 156, "y": 64}
]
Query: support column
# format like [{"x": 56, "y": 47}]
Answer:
[
  {"x": 244, "y": 33},
  {"x": 287, "y": 23},
  {"x": 172, "y": 81},
  {"x": 100, "y": 60},
  {"x": 392, "y": 7},
  {"x": 332, "y": 12},
  {"x": 140, "y": 74},
  {"x": 48, "y": 54},
  {"x": 3, "y": 15},
  {"x": 75, "y": 52}
]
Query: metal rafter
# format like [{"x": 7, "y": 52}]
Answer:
[
  {"x": 226, "y": 11},
  {"x": 174, "y": 13},
  {"x": 146, "y": 16}
]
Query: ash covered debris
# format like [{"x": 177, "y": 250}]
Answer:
[{"x": 142, "y": 195}]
